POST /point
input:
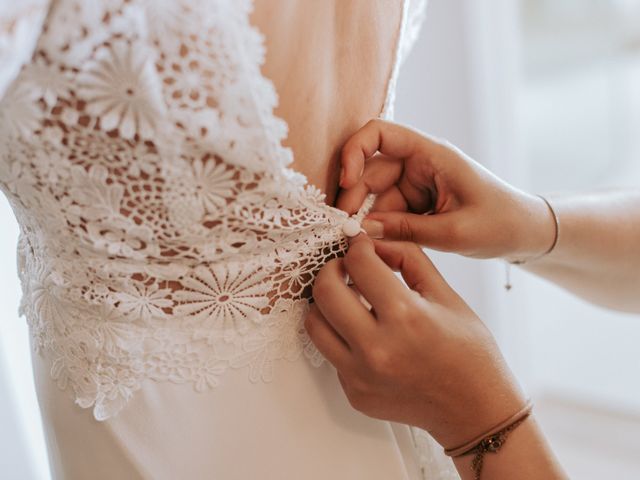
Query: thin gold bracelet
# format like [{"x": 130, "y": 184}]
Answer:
[{"x": 556, "y": 237}]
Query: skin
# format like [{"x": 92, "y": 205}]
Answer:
[
  {"x": 433, "y": 194},
  {"x": 379, "y": 353},
  {"x": 330, "y": 72},
  {"x": 400, "y": 360}
]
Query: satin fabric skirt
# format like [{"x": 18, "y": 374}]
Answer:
[{"x": 298, "y": 426}]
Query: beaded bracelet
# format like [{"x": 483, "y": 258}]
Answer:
[{"x": 491, "y": 441}]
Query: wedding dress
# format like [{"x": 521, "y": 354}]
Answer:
[{"x": 167, "y": 249}]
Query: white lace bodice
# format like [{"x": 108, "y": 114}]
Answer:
[{"x": 163, "y": 235}]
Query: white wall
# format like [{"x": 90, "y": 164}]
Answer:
[
  {"x": 466, "y": 81},
  {"x": 22, "y": 450},
  {"x": 460, "y": 84},
  {"x": 581, "y": 126}
]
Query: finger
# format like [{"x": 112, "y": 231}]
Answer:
[
  {"x": 391, "y": 200},
  {"x": 340, "y": 305},
  {"x": 376, "y": 136},
  {"x": 437, "y": 231},
  {"x": 375, "y": 281},
  {"x": 380, "y": 173},
  {"x": 417, "y": 270},
  {"x": 326, "y": 339},
  {"x": 363, "y": 300}
]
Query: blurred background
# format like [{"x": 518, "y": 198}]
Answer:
[{"x": 546, "y": 93}]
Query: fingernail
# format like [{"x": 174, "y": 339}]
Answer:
[
  {"x": 374, "y": 228},
  {"x": 341, "y": 176}
]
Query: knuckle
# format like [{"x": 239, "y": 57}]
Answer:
[
  {"x": 350, "y": 152},
  {"x": 405, "y": 232},
  {"x": 404, "y": 309},
  {"x": 453, "y": 232},
  {"x": 373, "y": 122},
  {"x": 379, "y": 360},
  {"x": 411, "y": 250},
  {"x": 414, "y": 248},
  {"x": 412, "y": 322}
]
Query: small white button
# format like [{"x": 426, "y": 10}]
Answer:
[{"x": 351, "y": 227}]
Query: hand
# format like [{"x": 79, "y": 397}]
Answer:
[
  {"x": 420, "y": 356},
  {"x": 433, "y": 194}
]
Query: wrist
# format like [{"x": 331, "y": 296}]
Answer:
[
  {"x": 493, "y": 439},
  {"x": 525, "y": 455},
  {"x": 537, "y": 231},
  {"x": 479, "y": 411}
]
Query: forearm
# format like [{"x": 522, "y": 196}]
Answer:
[
  {"x": 598, "y": 252},
  {"x": 433, "y": 194},
  {"x": 525, "y": 455}
]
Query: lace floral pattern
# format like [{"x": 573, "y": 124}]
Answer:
[{"x": 163, "y": 235}]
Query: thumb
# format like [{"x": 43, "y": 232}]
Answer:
[
  {"x": 417, "y": 270},
  {"x": 436, "y": 231}
]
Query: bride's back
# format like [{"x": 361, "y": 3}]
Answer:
[
  {"x": 330, "y": 61},
  {"x": 145, "y": 164},
  {"x": 165, "y": 240}
]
